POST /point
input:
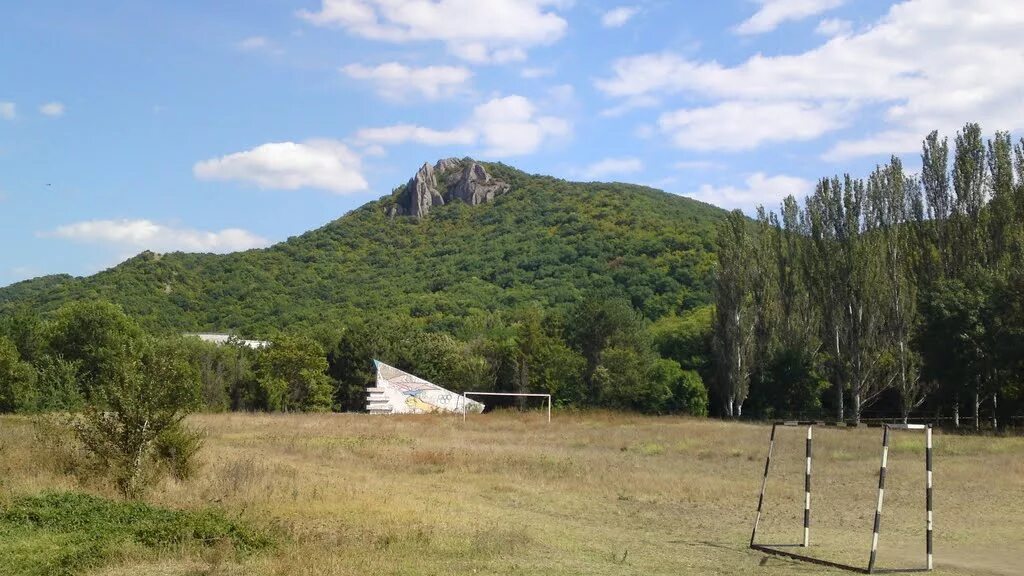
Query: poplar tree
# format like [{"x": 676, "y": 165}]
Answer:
[
  {"x": 894, "y": 200},
  {"x": 734, "y": 313}
]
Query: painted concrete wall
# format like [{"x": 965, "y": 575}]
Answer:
[{"x": 398, "y": 392}]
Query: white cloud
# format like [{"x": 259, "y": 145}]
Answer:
[
  {"x": 926, "y": 65},
  {"x": 510, "y": 126},
  {"x": 259, "y": 44},
  {"x": 323, "y": 164},
  {"x": 618, "y": 16},
  {"x": 149, "y": 235},
  {"x": 834, "y": 27},
  {"x": 492, "y": 31},
  {"x": 505, "y": 126},
  {"x": 758, "y": 189},
  {"x": 397, "y": 81},
  {"x": 734, "y": 126},
  {"x": 52, "y": 109},
  {"x": 403, "y": 133},
  {"x": 8, "y": 110},
  {"x": 697, "y": 165},
  {"x": 604, "y": 168},
  {"x": 539, "y": 72},
  {"x": 775, "y": 12}
]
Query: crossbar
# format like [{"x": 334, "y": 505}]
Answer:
[{"x": 532, "y": 395}]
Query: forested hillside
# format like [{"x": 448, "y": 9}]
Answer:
[
  {"x": 546, "y": 241},
  {"x": 598, "y": 294}
]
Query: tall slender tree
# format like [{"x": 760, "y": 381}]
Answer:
[
  {"x": 734, "y": 314},
  {"x": 893, "y": 200}
]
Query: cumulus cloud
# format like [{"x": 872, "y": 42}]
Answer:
[
  {"x": 758, "y": 189},
  {"x": 323, "y": 164},
  {"x": 926, "y": 65},
  {"x": 618, "y": 17},
  {"x": 609, "y": 166},
  {"x": 733, "y": 126},
  {"x": 52, "y": 109},
  {"x": 775, "y": 12},
  {"x": 8, "y": 110},
  {"x": 148, "y": 235},
  {"x": 510, "y": 126},
  {"x": 493, "y": 31},
  {"x": 505, "y": 126},
  {"x": 397, "y": 81}
]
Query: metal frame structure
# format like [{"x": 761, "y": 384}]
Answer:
[
  {"x": 926, "y": 428},
  {"x": 468, "y": 394}
]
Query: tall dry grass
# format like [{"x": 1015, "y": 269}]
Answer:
[{"x": 592, "y": 493}]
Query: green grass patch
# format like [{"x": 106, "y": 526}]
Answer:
[{"x": 66, "y": 533}]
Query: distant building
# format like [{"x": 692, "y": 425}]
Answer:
[{"x": 228, "y": 338}]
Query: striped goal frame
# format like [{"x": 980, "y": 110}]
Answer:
[{"x": 870, "y": 569}]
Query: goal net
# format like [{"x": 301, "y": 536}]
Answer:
[
  {"x": 842, "y": 511},
  {"x": 512, "y": 401}
]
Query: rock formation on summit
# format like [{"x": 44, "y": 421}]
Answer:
[{"x": 445, "y": 181}]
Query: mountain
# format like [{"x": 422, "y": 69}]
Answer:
[{"x": 460, "y": 237}]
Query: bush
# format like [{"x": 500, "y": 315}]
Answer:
[
  {"x": 89, "y": 530},
  {"x": 175, "y": 451},
  {"x": 150, "y": 390}
]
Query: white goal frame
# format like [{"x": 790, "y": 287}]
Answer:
[
  {"x": 468, "y": 394},
  {"x": 870, "y": 569}
]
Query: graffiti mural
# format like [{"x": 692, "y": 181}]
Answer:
[{"x": 398, "y": 392}]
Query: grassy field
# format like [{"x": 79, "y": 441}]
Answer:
[{"x": 589, "y": 494}]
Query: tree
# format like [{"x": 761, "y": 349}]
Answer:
[
  {"x": 734, "y": 314},
  {"x": 58, "y": 385},
  {"x": 133, "y": 425},
  {"x": 92, "y": 335},
  {"x": 598, "y": 322},
  {"x": 292, "y": 375},
  {"x": 17, "y": 380},
  {"x": 893, "y": 199}
]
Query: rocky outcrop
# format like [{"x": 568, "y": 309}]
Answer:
[
  {"x": 421, "y": 192},
  {"x": 476, "y": 186},
  {"x": 447, "y": 180}
]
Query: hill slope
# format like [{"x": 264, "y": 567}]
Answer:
[{"x": 543, "y": 240}]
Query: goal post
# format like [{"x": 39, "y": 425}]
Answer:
[
  {"x": 870, "y": 569},
  {"x": 547, "y": 398}
]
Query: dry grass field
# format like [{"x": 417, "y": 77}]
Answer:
[{"x": 589, "y": 494}]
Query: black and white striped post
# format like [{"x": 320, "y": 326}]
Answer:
[
  {"x": 928, "y": 497},
  {"x": 887, "y": 428},
  {"x": 764, "y": 484},
  {"x": 881, "y": 497},
  {"x": 807, "y": 492}
]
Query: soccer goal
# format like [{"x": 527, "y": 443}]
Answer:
[
  {"x": 546, "y": 399},
  {"x": 886, "y": 433}
]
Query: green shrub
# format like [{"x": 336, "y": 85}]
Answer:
[{"x": 66, "y": 533}]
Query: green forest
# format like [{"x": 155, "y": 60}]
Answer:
[{"x": 896, "y": 295}]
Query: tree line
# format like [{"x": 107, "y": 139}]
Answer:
[
  {"x": 601, "y": 353},
  {"x": 893, "y": 295}
]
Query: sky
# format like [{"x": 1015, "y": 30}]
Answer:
[{"x": 220, "y": 126}]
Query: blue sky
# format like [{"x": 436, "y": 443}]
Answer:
[{"x": 199, "y": 126}]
